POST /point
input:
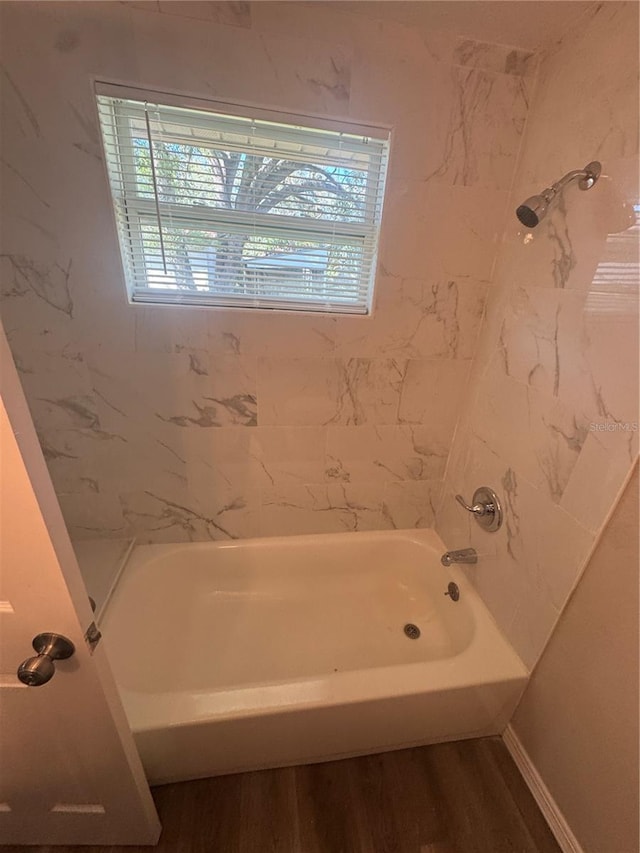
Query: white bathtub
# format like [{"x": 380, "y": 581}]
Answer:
[{"x": 259, "y": 653}]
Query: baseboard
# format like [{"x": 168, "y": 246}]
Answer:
[{"x": 557, "y": 824}]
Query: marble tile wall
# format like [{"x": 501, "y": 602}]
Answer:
[
  {"x": 170, "y": 423},
  {"x": 552, "y": 417}
]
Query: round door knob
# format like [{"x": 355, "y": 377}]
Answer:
[{"x": 37, "y": 670}]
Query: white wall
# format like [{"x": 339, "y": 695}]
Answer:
[{"x": 578, "y": 720}]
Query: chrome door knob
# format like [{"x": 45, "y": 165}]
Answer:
[{"x": 37, "y": 670}]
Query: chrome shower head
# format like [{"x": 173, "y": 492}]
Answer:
[{"x": 534, "y": 209}]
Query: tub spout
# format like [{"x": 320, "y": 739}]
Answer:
[{"x": 466, "y": 555}]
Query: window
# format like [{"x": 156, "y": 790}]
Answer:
[{"x": 215, "y": 208}]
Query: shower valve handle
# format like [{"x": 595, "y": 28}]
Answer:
[
  {"x": 476, "y": 509},
  {"x": 485, "y": 508}
]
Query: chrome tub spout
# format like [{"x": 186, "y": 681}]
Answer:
[{"x": 465, "y": 555}]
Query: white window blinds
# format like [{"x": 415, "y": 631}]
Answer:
[{"x": 222, "y": 209}]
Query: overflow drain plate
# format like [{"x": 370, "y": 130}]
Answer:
[{"x": 412, "y": 631}]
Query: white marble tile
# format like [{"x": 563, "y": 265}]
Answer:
[
  {"x": 432, "y": 394},
  {"x": 321, "y": 508},
  {"x": 178, "y": 425},
  {"x": 601, "y": 377},
  {"x": 144, "y": 5},
  {"x": 542, "y": 540},
  {"x": 314, "y": 391},
  {"x": 537, "y": 555},
  {"x": 104, "y": 325},
  {"x": 499, "y": 58},
  {"x": 288, "y": 455},
  {"x": 167, "y": 328},
  {"x": 531, "y": 626},
  {"x": 417, "y": 145},
  {"x": 392, "y": 80},
  {"x": 571, "y": 345},
  {"x": 534, "y": 323},
  {"x": 235, "y": 14},
  {"x": 322, "y": 80},
  {"x": 93, "y": 515},
  {"x": 486, "y": 123},
  {"x": 120, "y": 401},
  {"x": 262, "y": 457},
  {"x": 536, "y": 434},
  {"x": 432, "y": 230},
  {"x": 37, "y": 296},
  {"x": 405, "y": 86},
  {"x": 410, "y": 504},
  {"x": 300, "y": 392},
  {"x": 154, "y": 458},
  {"x": 68, "y": 40},
  {"x": 386, "y": 39},
  {"x": 451, "y": 524},
  {"x": 383, "y": 454},
  {"x": 244, "y": 65},
  {"x": 270, "y": 333},
  {"x": 59, "y": 391},
  {"x": 232, "y": 332},
  {"x": 291, "y": 19},
  {"x": 72, "y": 460},
  {"x": 166, "y": 430},
  {"x": 600, "y": 472},
  {"x": 488, "y": 343},
  {"x": 179, "y": 53},
  {"x": 220, "y": 457},
  {"x": 211, "y": 514},
  {"x": 191, "y": 390},
  {"x": 597, "y": 58},
  {"x": 34, "y": 344},
  {"x": 501, "y": 590},
  {"x": 414, "y": 318}
]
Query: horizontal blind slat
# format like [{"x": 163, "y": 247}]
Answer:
[
  {"x": 172, "y": 298},
  {"x": 201, "y": 124}
]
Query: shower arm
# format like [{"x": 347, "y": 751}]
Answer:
[
  {"x": 587, "y": 178},
  {"x": 535, "y": 208}
]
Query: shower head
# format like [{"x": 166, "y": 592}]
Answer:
[{"x": 534, "y": 209}]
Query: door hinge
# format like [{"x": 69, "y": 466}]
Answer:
[{"x": 92, "y": 636}]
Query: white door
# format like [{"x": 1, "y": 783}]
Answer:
[{"x": 69, "y": 770}]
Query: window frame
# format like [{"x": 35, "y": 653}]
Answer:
[{"x": 136, "y": 208}]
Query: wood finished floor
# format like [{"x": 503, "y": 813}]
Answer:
[{"x": 462, "y": 797}]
